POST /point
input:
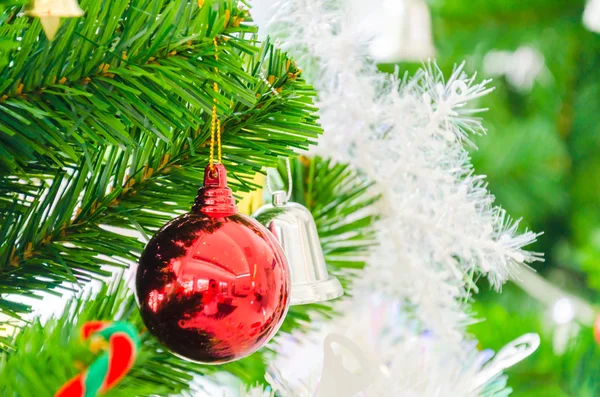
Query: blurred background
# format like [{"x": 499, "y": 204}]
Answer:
[{"x": 541, "y": 157}]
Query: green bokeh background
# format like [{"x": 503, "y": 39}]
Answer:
[{"x": 542, "y": 160}]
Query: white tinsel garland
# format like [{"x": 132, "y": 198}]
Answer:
[{"x": 440, "y": 228}]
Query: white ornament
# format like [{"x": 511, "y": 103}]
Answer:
[
  {"x": 418, "y": 41},
  {"x": 511, "y": 354},
  {"x": 591, "y": 16},
  {"x": 563, "y": 311},
  {"x": 50, "y": 12},
  {"x": 400, "y": 29},
  {"x": 337, "y": 379},
  {"x": 520, "y": 68}
]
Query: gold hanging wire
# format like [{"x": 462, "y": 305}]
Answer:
[{"x": 215, "y": 123}]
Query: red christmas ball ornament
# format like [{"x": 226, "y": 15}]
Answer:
[{"x": 213, "y": 285}]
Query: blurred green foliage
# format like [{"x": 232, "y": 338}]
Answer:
[{"x": 542, "y": 160}]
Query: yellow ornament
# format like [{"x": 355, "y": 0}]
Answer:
[
  {"x": 50, "y": 12},
  {"x": 251, "y": 201}
]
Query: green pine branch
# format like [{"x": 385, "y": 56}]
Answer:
[
  {"x": 92, "y": 152},
  {"x": 43, "y": 356},
  {"x": 8, "y": 11},
  {"x": 127, "y": 66},
  {"x": 54, "y": 220},
  {"x": 47, "y": 355},
  {"x": 61, "y": 233}
]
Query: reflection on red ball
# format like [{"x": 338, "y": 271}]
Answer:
[{"x": 213, "y": 288}]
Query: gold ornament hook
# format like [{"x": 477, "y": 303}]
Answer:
[{"x": 215, "y": 123}]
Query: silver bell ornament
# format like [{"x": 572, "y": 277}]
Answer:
[{"x": 294, "y": 227}]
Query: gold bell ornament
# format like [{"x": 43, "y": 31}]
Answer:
[
  {"x": 50, "y": 12},
  {"x": 294, "y": 227}
]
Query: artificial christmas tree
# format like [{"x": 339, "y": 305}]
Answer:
[{"x": 106, "y": 131}]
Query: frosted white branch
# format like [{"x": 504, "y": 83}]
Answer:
[{"x": 440, "y": 228}]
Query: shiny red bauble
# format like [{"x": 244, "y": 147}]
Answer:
[{"x": 213, "y": 285}]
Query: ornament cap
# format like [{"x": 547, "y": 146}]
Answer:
[
  {"x": 280, "y": 198},
  {"x": 215, "y": 199},
  {"x": 215, "y": 175}
]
